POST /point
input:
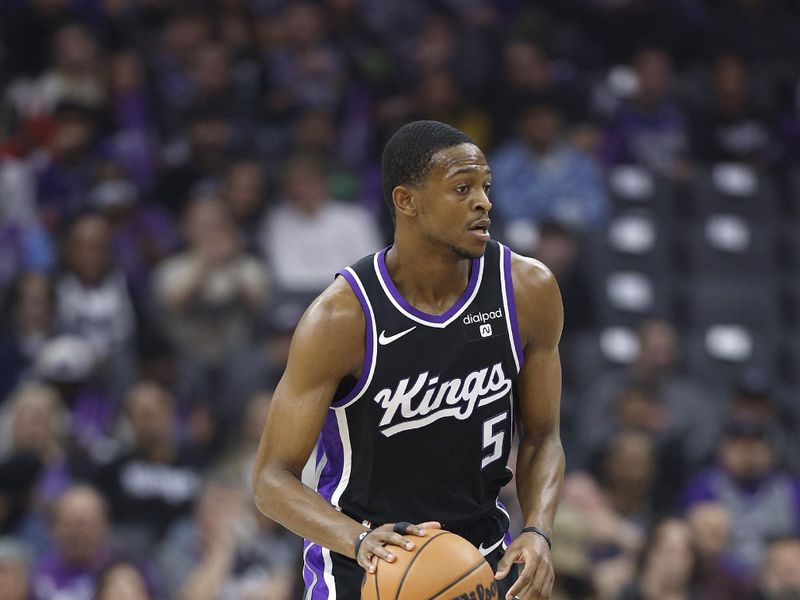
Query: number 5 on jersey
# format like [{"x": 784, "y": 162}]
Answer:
[{"x": 493, "y": 439}]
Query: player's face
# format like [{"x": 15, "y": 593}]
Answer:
[{"x": 454, "y": 201}]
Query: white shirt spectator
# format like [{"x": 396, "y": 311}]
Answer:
[{"x": 305, "y": 250}]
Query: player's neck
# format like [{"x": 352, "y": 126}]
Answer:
[{"x": 430, "y": 281}]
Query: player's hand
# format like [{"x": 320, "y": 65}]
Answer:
[
  {"x": 377, "y": 544},
  {"x": 535, "y": 582}
]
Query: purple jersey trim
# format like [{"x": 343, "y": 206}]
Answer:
[
  {"x": 512, "y": 306},
  {"x": 314, "y": 572},
  {"x": 331, "y": 442},
  {"x": 459, "y": 304},
  {"x": 368, "y": 343}
]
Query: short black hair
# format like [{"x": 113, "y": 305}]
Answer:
[{"x": 408, "y": 153}]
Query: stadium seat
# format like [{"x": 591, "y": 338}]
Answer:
[
  {"x": 588, "y": 355},
  {"x": 629, "y": 266},
  {"x": 727, "y": 244},
  {"x": 717, "y": 354},
  {"x": 732, "y": 188},
  {"x": 720, "y": 302},
  {"x": 634, "y": 187}
]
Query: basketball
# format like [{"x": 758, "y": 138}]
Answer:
[{"x": 442, "y": 566}]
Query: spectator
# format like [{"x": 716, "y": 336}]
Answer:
[
  {"x": 779, "y": 578},
  {"x": 82, "y": 545},
  {"x": 142, "y": 234},
  {"x": 211, "y": 296},
  {"x": 650, "y": 129},
  {"x": 223, "y": 553},
  {"x": 763, "y": 500},
  {"x": 679, "y": 410},
  {"x": 133, "y": 144},
  {"x": 614, "y": 541},
  {"x": 528, "y": 72},
  {"x": 571, "y": 558},
  {"x": 668, "y": 565},
  {"x": 540, "y": 176},
  {"x": 68, "y": 363},
  {"x": 182, "y": 32},
  {"x": 720, "y": 576},
  {"x": 121, "y": 580},
  {"x": 24, "y": 244},
  {"x": 244, "y": 193},
  {"x": 13, "y": 570},
  {"x": 65, "y": 172},
  {"x": 309, "y": 236},
  {"x": 238, "y": 461},
  {"x": 198, "y": 161},
  {"x": 29, "y": 322},
  {"x": 628, "y": 473},
  {"x": 156, "y": 481},
  {"x": 304, "y": 70},
  {"x": 75, "y": 76},
  {"x": 753, "y": 399},
  {"x": 438, "y": 96},
  {"x": 38, "y": 424},
  {"x": 559, "y": 247},
  {"x": 95, "y": 303},
  {"x": 731, "y": 129}
]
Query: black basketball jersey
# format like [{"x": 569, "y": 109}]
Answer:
[{"x": 425, "y": 432}]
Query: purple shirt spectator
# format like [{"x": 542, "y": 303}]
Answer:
[{"x": 764, "y": 501}]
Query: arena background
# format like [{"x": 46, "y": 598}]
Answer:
[{"x": 179, "y": 179}]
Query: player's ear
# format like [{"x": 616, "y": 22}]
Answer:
[{"x": 404, "y": 201}]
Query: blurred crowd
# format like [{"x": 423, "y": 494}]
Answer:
[{"x": 179, "y": 179}]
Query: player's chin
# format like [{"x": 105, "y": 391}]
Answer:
[{"x": 473, "y": 249}]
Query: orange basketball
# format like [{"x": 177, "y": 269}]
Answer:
[{"x": 442, "y": 566}]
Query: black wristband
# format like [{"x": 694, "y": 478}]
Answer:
[
  {"x": 361, "y": 537},
  {"x": 541, "y": 533}
]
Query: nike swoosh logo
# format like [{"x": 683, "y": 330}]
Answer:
[
  {"x": 383, "y": 339},
  {"x": 486, "y": 551}
]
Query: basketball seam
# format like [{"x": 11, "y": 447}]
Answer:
[
  {"x": 408, "y": 568},
  {"x": 377, "y": 588},
  {"x": 477, "y": 566}
]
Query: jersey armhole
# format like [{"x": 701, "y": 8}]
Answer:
[
  {"x": 370, "y": 341},
  {"x": 507, "y": 286}
]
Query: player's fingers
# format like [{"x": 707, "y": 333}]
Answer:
[
  {"x": 376, "y": 548},
  {"x": 505, "y": 564},
  {"x": 524, "y": 580},
  {"x": 373, "y": 564},
  {"x": 542, "y": 582},
  {"x": 365, "y": 560},
  {"x": 395, "y": 539},
  {"x": 420, "y": 528}
]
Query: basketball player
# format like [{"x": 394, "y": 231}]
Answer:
[{"x": 407, "y": 378}]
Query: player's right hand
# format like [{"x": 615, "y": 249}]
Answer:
[{"x": 377, "y": 544}]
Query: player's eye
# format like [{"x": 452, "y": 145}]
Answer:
[
  {"x": 487, "y": 188},
  {"x": 462, "y": 188}
]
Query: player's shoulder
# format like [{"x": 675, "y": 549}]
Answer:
[
  {"x": 531, "y": 276},
  {"x": 334, "y": 315},
  {"x": 540, "y": 313}
]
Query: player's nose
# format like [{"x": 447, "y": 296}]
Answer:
[{"x": 482, "y": 202}]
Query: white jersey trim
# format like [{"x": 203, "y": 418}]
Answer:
[
  {"x": 373, "y": 357},
  {"x": 508, "y": 315}
]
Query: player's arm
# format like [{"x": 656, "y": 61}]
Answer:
[
  {"x": 540, "y": 460},
  {"x": 328, "y": 345}
]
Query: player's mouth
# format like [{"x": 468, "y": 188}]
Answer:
[{"x": 481, "y": 229}]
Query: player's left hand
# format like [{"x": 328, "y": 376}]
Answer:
[{"x": 535, "y": 582}]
